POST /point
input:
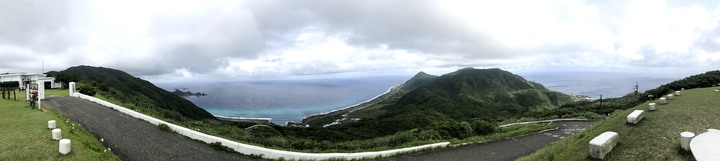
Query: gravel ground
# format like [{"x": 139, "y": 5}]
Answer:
[
  {"x": 508, "y": 149},
  {"x": 131, "y": 138}
]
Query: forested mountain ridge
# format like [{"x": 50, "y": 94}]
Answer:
[
  {"x": 145, "y": 96},
  {"x": 464, "y": 95},
  {"x": 481, "y": 93}
]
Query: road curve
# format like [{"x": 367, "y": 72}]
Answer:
[
  {"x": 504, "y": 150},
  {"x": 131, "y": 138}
]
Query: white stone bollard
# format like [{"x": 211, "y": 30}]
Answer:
[
  {"x": 663, "y": 101},
  {"x": 603, "y": 144},
  {"x": 713, "y": 130},
  {"x": 685, "y": 138},
  {"x": 669, "y": 96},
  {"x": 71, "y": 88},
  {"x": 652, "y": 106},
  {"x": 682, "y": 89},
  {"x": 677, "y": 93},
  {"x": 51, "y": 124},
  {"x": 65, "y": 146},
  {"x": 56, "y": 134}
]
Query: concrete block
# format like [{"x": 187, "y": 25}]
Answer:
[
  {"x": 677, "y": 93},
  {"x": 51, "y": 124},
  {"x": 670, "y": 96},
  {"x": 635, "y": 116},
  {"x": 65, "y": 146},
  {"x": 713, "y": 130},
  {"x": 685, "y": 138},
  {"x": 56, "y": 134},
  {"x": 603, "y": 144},
  {"x": 651, "y": 106},
  {"x": 663, "y": 101}
]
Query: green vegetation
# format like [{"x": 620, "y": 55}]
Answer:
[
  {"x": 462, "y": 96},
  {"x": 165, "y": 127},
  {"x": 25, "y": 135},
  {"x": 656, "y": 137},
  {"x": 141, "y": 94},
  {"x": 56, "y": 92}
]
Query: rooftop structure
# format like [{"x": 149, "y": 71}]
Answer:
[{"x": 24, "y": 79}]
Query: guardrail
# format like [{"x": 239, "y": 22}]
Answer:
[{"x": 256, "y": 150}]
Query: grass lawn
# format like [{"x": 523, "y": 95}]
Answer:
[
  {"x": 656, "y": 137},
  {"x": 25, "y": 136},
  {"x": 57, "y": 92}
]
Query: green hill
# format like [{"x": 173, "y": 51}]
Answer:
[
  {"x": 419, "y": 80},
  {"x": 466, "y": 95},
  {"x": 656, "y": 137},
  {"x": 481, "y": 93},
  {"x": 140, "y": 94}
]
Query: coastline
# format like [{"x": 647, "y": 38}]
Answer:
[{"x": 351, "y": 108}]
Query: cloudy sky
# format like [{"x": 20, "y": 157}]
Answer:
[{"x": 177, "y": 38}]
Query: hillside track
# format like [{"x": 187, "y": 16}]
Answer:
[
  {"x": 503, "y": 150},
  {"x": 131, "y": 138}
]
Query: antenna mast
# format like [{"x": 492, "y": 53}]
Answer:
[{"x": 636, "y": 88}]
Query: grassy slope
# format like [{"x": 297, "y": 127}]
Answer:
[
  {"x": 656, "y": 137},
  {"x": 25, "y": 136}
]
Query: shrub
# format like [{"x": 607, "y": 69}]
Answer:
[
  {"x": 87, "y": 89},
  {"x": 452, "y": 129},
  {"x": 264, "y": 131},
  {"x": 482, "y": 127}
]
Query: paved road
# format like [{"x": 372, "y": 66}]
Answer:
[
  {"x": 132, "y": 139},
  {"x": 509, "y": 149}
]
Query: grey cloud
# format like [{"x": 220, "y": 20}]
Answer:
[
  {"x": 409, "y": 25},
  {"x": 208, "y": 40},
  {"x": 43, "y": 26}
]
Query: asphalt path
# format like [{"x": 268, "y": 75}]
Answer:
[
  {"x": 131, "y": 138},
  {"x": 508, "y": 149}
]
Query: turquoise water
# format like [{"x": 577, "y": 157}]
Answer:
[{"x": 285, "y": 100}]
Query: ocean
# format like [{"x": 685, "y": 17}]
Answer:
[
  {"x": 291, "y": 99},
  {"x": 283, "y": 100}
]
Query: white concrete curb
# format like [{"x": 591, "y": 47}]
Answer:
[
  {"x": 541, "y": 121},
  {"x": 256, "y": 150}
]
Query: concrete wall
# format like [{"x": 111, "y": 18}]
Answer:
[
  {"x": 541, "y": 121},
  {"x": 256, "y": 150}
]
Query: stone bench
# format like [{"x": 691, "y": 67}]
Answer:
[
  {"x": 603, "y": 144},
  {"x": 635, "y": 116}
]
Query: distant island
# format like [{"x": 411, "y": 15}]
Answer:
[{"x": 187, "y": 93}]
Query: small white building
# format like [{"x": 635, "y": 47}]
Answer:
[{"x": 29, "y": 78}]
